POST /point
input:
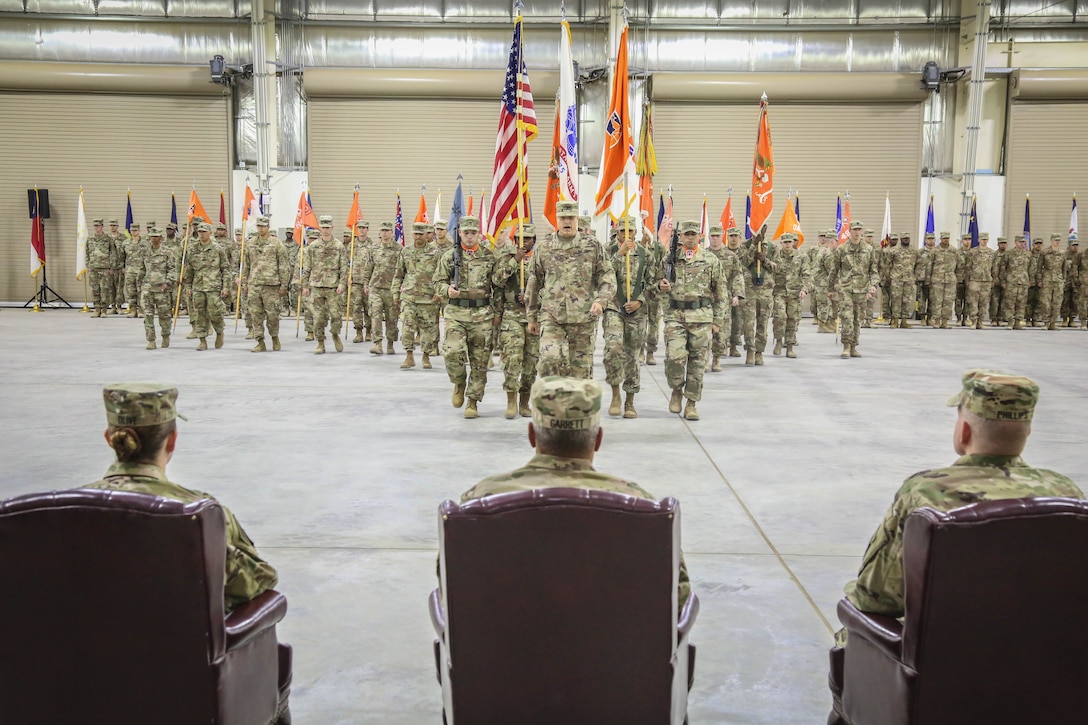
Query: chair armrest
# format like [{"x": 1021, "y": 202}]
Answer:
[
  {"x": 254, "y": 617},
  {"x": 880, "y": 629},
  {"x": 438, "y": 617},
  {"x": 688, "y": 615}
]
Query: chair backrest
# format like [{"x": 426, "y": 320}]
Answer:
[
  {"x": 112, "y": 604},
  {"x": 995, "y": 600},
  {"x": 561, "y": 606}
]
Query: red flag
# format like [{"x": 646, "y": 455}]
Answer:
[
  {"x": 247, "y": 203},
  {"x": 304, "y": 218},
  {"x": 195, "y": 207},
  {"x": 551, "y": 195},
  {"x": 37, "y": 238},
  {"x": 728, "y": 221},
  {"x": 421, "y": 215},
  {"x": 354, "y": 215},
  {"x": 222, "y": 208},
  {"x": 762, "y": 172},
  {"x": 619, "y": 142}
]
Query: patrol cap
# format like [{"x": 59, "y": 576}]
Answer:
[
  {"x": 946, "y": 235},
  {"x": 472, "y": 223},
  {"x": 172, "y": 225},
  {"x": 789, "y": 237},
  {"x": 824, "y": 233},
  {"x": 1019, "y": 238},
  {"x": 220, "y": 225},
  {"x": 562, "y": 208},
  {"x": 859, "y": 225},
  {"x": 237, "y": 230},
  {"x": 325, "y": 220},
  {"x": 363, "y": 223},
  {"x": 198, "y": 219},
  {"x": 113, "y": 222},
  {"x": 204, "y": 227},
  {"x": 689, "y": 226},
  {"x": 997, "y": 396},
  {"x": 1037, "y": 240},
  {"x": 566, "y": 403},
  {"x": 418, "y": 228},
  {"x": 717, "y": 229},
  {"x": 262, "y": 221},
  {"x": 97, "y": 221},
  {"x": 313, "y": 233},
  {"x": 134, "y": 226},
  {"x": 585, "y": 220},
  {"x": 131, "y": 405},
  {"x": 156, "y": 232},
  {"x": 428, "y": 227},
  {"x": 1002, "y": 240},
  {"x": 628, "y": 221},
  {"x": 903, "y": 235},
  {"x": 348, "y": 232},
  {"x": 965, "y": 235},
  {"x": 441, "y": 225},
  {"x": 526, "y": 231},
  {"x": 930, "y": 235},
  {"x": 894, "y": 237},
  {"x": 1073, "y": 242},
  {"x": 984, "y": 235},
  {"x": 386, "y": 226},
  {"x": 731, "y": 231},
  {"x": 1055, "y": 237},
  {"x": 151, "y": 225}
]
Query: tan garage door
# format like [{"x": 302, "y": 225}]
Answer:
[{"x": 107, "y": 144}]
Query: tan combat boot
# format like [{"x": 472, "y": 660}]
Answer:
[
  {"x": 777, "y": 347},
  {"x": 904, "y": 324},
  {"x": 131, "y": 312},
  {"x": 750, "y": 357},
  {"x": 337, "y": 342},
  {"x": 275, "y": 344},
  {"x": 650, "y": 358},
  {"x": 358, "y": 335},
  {"x": 192, "y": 335},
  {"x": 511, "y": 405},
  {"x": 629, "y": 406},
  {"x": 789, "y": 351},
  {"x": 426, "y": 361},
  {"x": 97, "y": 312},
  {"x": 854, "y": 351},
  {"x": 458, "y": 397},
  {"x": 845, "y": 351},
  {"x": 320, "y": 350},
  {"x": 409, "y": 360},
  {"x": 715, "y": 364},
  {"x": 614, "y": 406},
  {"x": 219, "y": 338},
  {"x": 151, "y": 344},
  {"x": 733, "y": 351},
  {"x": 470, "y": 409},
  {"x": 251, "y": 335},
  {"x": 376, "y": 348},
  {"x": 203, "y": 344},
  {"x": 978, "y": 323},
  {"x": 1052, "y": 326},
  {"x": 689, "y": 411},
  {"x": 759, "y": 358},
  {"x": 674, "y": 401},
  {"x": 166, "y": 341},
  {"x": 259, "y": 347},
  {"x": 523, "y": 404},
  {"x": 310, "y": 336},
  {"x": 389, "y": 348}
]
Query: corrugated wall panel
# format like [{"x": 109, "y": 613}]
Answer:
[
  {"x": 390, "y": 144},
  {"x": 820, "y": 150},
  {"x": 1048, "y": 158},
  {"x": 106, "y": 144}
]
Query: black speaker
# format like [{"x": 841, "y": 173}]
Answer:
[{"x": 37, "y": 199}]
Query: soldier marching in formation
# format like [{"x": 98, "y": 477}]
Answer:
[{"x": 414, "y": 295}]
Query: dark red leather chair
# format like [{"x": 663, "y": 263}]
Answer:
[
  {"x": 111, "y": 611},
  {"x": 559, "y": 606},
  {"x": 994, "y": 629}
]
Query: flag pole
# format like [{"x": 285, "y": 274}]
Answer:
[
  {"x": 351, "y": 273},
  {"x": 241, "y": 264},
  {"x": 521, "y": 150},
  {"x": 86, "y": 308},
  {"x": 626, "y": 257}
]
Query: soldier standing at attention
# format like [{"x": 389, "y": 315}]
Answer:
[
  {"x": 1032, "y": 309},
  {"x": 155, "y": 279},
  {"x": 414, "y": 295},
  {"x": 570, "y": 282},
  {"x": 324, "y": 277},
  {"x": 884, "y": 256},
  {"x": 942, "y": 274},
  {"x": 172, "y": 241},
  {"x": 265, "y": 277},
  {"x": 1052, "y": 282},
  {"x": 904, "y": 268},
  {"x": 853, "y": 277},
  {"x": 520, "y": 350},
  {"x": 625, "y": 316},
  {"x": 997, "y": 292},
  {"x": 378, "y": 270},
  {"x": 792, "y": 281},
  {"x": 870, "y": 311},
  {"x": 961, "y": 280},
  {"x": 761, "y": 260},
  {"x": 100, "y": 256},
  {"x": 979, "y": 263},
  {"x": 465, "y": 281},
  {"x": 1017, "y": 273},
  {"x": 1069, "y": 295},
  {"x": 117, "y": 265},
  {"x": 734, "y": 273},
  {"x": 209, "y": 278},
  {"x": 697, "y": 296},
  {"x": 359, "y": 317},
  {"x": 132, "y": 260}
]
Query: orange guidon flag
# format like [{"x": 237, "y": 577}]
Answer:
[
  {"x": 354, "y": 215},
  {"x": 195, "y": 207},
  {"x": 790, "y": 223},
  {"x": 304, "y": 217},
  {"x": 421, "y": 215},
  {"x": 728, "y": 220},
  {"x": 762, "y": 171},
  {"x": 619, "y": 142},
  {"x": 551, "y": 194},
  {"x": 248, "y": 203}
]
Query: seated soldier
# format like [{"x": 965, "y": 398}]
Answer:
[
  {"x": 143, "y": 433},
  {"x": 992, "y": 427},
  {"x": 566, "y": 432}
]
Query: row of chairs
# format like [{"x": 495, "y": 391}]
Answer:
[{"x": 554, "y": 606}]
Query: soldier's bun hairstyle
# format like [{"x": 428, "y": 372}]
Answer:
[{"x": 139, "y": 443}]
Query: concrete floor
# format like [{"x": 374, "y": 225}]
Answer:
[{"x": 336, "y": 466}]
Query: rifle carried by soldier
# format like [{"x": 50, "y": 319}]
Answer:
[
  {"x": 457, "y": 252},
  {"x": 674, "y": 248}
]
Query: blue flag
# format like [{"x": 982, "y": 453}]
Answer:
[
  {"x": 838, "y": 218},
  {"x": 748, "y": 217},
  {"x": 972, "y": 225},
  {"x": 173, "y": 209},
  {"x": 1027, "y": 218},
  {"x": 930, "y": 224},
  {"x": 660, "y": 211},
  {"x": 398, "y": 226},
  {"x": 457, "y": 209},
  {"x": 797, "y": 207},
  {"x": 128, "y": 213}
]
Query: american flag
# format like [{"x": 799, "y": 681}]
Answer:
[
  {"x": 398, "y": 227},
  {"x": 517, "y": 113}
]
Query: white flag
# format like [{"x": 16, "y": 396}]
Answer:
[
  {"x": 568, "y": 128},
  {"x": 886, "y": 227},
  {"x": 437, "y": 209},
  {"x": 81, "y": 239},
  {"x": 1073, "y": 219}
]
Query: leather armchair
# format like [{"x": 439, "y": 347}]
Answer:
[
  {"x": 113, "y": 612},
  {"x": 559, "y": 605},
  {"x": 993, "y": 629}
]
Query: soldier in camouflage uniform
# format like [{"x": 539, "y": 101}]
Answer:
[
  {"x": 923, "y": 294},
  {"x": 653, "y": 298},
  {"x": 792, "y": 281},
  {"x": 132, "y": 259},
  {"x": 979, "y": 263},
  {"x": 1052, "y": 282},
  {"x": 1032, "y": 310},
  {"x": 324, "y": 279},
  {"x": 739, "y": 283},
  {"x": 994, "y": 413},
  {"x": 997, "y": 293},
  {"x": 1069, "y": 295},
  {"x": 100, "y": 254},
  {"x": 156, "y": 278},
  {"x": 870, "y": 311},
  {"x": 1080, "y": 270},
  {"x": 265, "y": 277},
  {"x": 761, "y": 260},
  {"x": 884, "y": 256},
  {"x": 117, "y": 264},
  {"x": 520, "y": 351},
  {"x": 294, "y": 256},
  {"x": 905, "y": 267},
  {"x": 734, "y": 273},
  {"x": 413, "y": 293},
  {"x": 379, "y": 269},
  {"x": 239, "y": 298},
  {"x": 209, "y": 279},
  {"x": 822, "y": 306},
  {"x": 853, "y": 278},
  {"x": 442, "y": 239},
  {"x": 570, "y": 282},
  {"x": 359, "y": 316},
  {"x": 473, "y": 304},
  {"x": 142, "y": 432},
  {"x": 1017, "y": 276},
  {"x": 942, "y": 274},
  {"x": 624, "y": 320},
  {"x": 697, "y": 296},
  {"x": 961, "y": 280}
]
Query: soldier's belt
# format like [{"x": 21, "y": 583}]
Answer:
[
  {"x": 681, "y": 305},
  {"x": 458, "y": 302}
]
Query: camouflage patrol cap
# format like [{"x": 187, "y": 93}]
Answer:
[
  {"x": 1019, "y": 238},
  {"x": 198, "y": 219},
  {"x": 894, "y": 236},
  {"x": 220, "y": 225},
  {"x": 156, "y": 232},
  {"x": 562, "y": 208},
  {"x": 717, "y": 229},
  {"x": 526, "y": 231},
  {"x": 172, "y": 225},
  {"x": 441, "y": 225},
  {"x": 151, "y": 225},
  {"x": 930, "y": 235},
  {"x": 130, "y": 405},
  {"x": 997, "y": 396},
  {"x": 1055, "y": 237},
  {"x": 97, "y": 221},
  {"x": 134, "y": 226},
  {"x": 386, "y": 226},
  {"x": 859, "y": 225},
  {"x": 113, "y": 222},
  {"x": 629, "y": 221},
  {"x": 825, "y": 233},
  {"x": 312, "y": 233},
  {"x": 1073, "y": 241},
  {"x": 237, "y": 230},
  {"x": 348, "y": 232},
  {"x": 904, "y": 234},
  {"x": 204, "y": 227},
  {"x": 984, "y": 235},
  {"x": 946, "y": 235},
  {"x": 469, "y": 223},
  {"x": 428, "y": 227},
  {"x": 262, "y": 221},
  {"x": 732, "y": 231},
  {"x": 689, "y": 226},
  {"x": 566, "y": 403},
  {"x": 965, "y": 235},
  {"x": 1002, "y": 240},
  {"x": 585, "y": 220},
  {"x": 325, "y": 220},
  {"x": 788, "y": 237},
  {"x": 1037, "y": 240},
  {"x": 419, "y": 228},
  {"x": 363, "y": 223}
]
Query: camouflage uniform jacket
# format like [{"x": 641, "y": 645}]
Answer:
[
  {"x": 1081, "y": 269},
  {"x": 853, "y": 268},
  {"x": 821, "y": 268},
  {"x": 747, "y": 254},
  {"x": 132, "y": 253},
  {"x": 117, "y": 261},
  {"x": 944, "y": 265},
  {"x": 1017, "y": 267},
  {"x": 1035, "y": 269},
  {"x": 566, "y": 277},
  {"x": 206, "y": 268},
  {"x": 100, "y": 252},
  {"x": 1001, "y": 262},
  {"x": 698, "y": 279},
  {"x": 247, "y": 575},
  {"x": 1051, "y": 266},
  {"x": 506, "y": 277},
  {"x": 325, "y": 264},
  {"x": 732, "y": 269},
  {"x": 1071, "y": 259},
  {"x": 973, "y": 478},
  {"x": 961, "y": 271},
  {"x": 793, "y": 274},
  {"x": 363, "y": 248},
  {"x": 644, "y": 275},
  {"x": 414, "y": 278},
  {"x": 266, "y": 263},
  {"x": 906, "y": 265},
  {"x": 544, "y": 471},
  {"x": 980, "y": 265},
  {"x": 474, "y": 283},
  {"x": 157, "y": 268},
  {"x": 380, "y": 266}
]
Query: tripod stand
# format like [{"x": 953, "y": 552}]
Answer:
[{"x": 41, "y": 298}]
